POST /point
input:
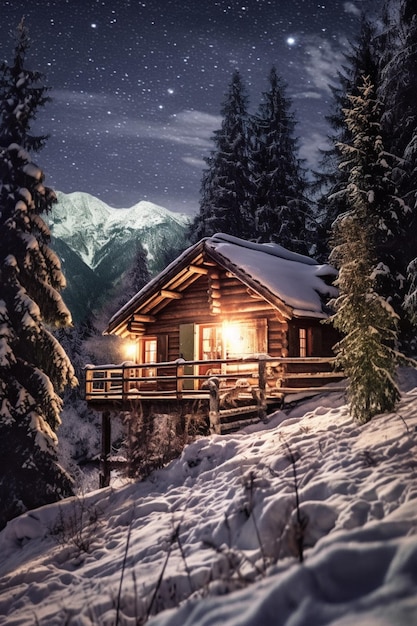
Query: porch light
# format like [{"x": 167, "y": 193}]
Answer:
[{"x": 130, "y": 350}]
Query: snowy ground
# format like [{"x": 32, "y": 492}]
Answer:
[{"x": 214, "y": 539}]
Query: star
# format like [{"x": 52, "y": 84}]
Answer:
[{"x": 157, "y": 90}]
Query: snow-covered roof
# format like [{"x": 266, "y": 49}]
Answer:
[
  {"x": 288, "y": 281},
  {"x": 295, "y": 279}
]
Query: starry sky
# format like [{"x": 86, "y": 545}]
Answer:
[{"x": 137, "y": 85}]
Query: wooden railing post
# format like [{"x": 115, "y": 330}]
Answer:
[
  {"x": 214, "y": 405},
  {"x": 88, "y": 383},
  {"x": 180, "y": 380},
  {"x": 125, "y": 380},
  {"x": 262, "y": 389}
]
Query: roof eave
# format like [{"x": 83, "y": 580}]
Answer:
[{"x": 158, "y": 283}]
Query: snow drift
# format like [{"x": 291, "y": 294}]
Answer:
[{"x": 215, "y": 537}]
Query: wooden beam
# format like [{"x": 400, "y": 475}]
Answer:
[
  {"x": 136, "y": 327},
  {"x": 248, "y": 307},
  {"x": 252, "y": 294},
  {"x": 143, "y": 318},
  {"x": 173, "y": 295},
  {"x": 197, "y": 269}
]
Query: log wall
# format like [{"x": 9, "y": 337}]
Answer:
[
  {"x": 235, "y": 303},
  {"x": 218, "y": 296}
]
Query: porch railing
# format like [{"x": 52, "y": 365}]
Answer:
[{"x": 272, "y": 376}]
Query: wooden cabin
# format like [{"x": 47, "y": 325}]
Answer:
[{"x": 229, "y": 327}]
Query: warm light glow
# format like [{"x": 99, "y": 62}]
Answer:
[
  {"x": 130, "y": 350},
  {"x": 231, "y": 332},
  {"x": 239, "y": 339},
  {"x": 233, "y": 339}
]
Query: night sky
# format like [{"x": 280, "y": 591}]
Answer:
[{"x": 137, "y": 86}]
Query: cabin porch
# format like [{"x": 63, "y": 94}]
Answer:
[
  {"x": 227, "y": 384},
  {"x": 228, "y": 393}
]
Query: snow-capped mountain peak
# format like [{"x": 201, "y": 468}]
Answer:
[
  {"x": 97, "y": 243},
  {"x": 86, "y": 224}
]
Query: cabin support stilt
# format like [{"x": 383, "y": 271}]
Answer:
[{"x": 105, "y": 449}]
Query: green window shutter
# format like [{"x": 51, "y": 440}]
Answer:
[
  {"x": 187, "y": 341},
  {"x": 187, "y": 350}
]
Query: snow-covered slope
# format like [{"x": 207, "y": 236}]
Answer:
[
  {"x": 95, "y": 240},
  {"x": 214, "y": 538}
]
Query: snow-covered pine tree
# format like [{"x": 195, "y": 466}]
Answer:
[
  {"x": 361, "y": 60},
  {"x": 22, "y": 92},
  {"x": 34, "y": 368},
  {"x": 410, "y": 301},
  {"x": 281, "y": 212},
  {"x": 226, "y": 184},
  {"x": 367, "y": 353},
  {"x": 398, "y": 48},
  {"x": 398, "y": 51},
  {"x": 410, "y": 298}
]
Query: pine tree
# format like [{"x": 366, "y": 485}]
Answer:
[
  {"x": 34, "y": 368},
  {"x": 398, "y": 46},
  {"x": 360, "y": 61},
  {"x": 22, "y": 92},
  {"x": 226, "y": 184},
  {"x": 398, "y": 50},
  {"x": 410, "y": 300},
  {"x": 136, "y": 277},
  {"x": 280, "y": 210},
  {"x": 367, "y": 353},
  {"x": 409, "y": 249}
]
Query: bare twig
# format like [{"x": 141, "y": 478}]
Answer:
[
  {"x": 405, "y": 423},
  {"x": 302, "y": 519},
  {"x": 174, "y": 538},
  {"x": 250, "y": 488},
  {"x": 187, "y": 569},
  {"x": 119, "y": 594}
]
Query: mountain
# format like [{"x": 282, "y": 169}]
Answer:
[{"x": 97, "y": 244}]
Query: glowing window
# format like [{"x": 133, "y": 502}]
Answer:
[
  {"x": 302, "y": 338},
  {"x": 232, "y": 339},
  {"x": 211, "y": 342},
  {"x": 149, "y": 355},
  {"x": 239, "y": 339},
  {"x": 149, "y": 350}
]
